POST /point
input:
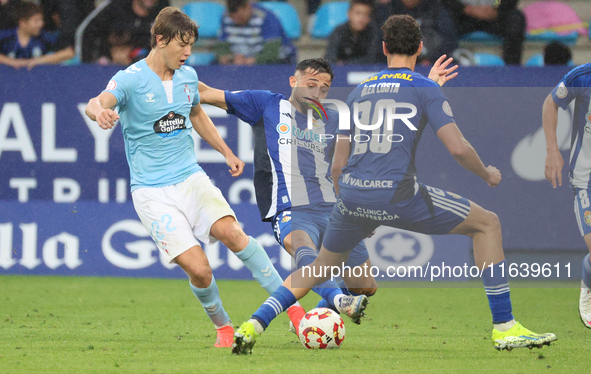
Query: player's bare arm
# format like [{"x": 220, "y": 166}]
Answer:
[
  {"x": 466, "y": 155},
  {"x": 100, "y": 109},
  {"x": 554, "y": 160},
  {"x": 340, "y": 159},
  {"x": 207, "y": 131},
  {"x": 212, "y": 96},
  {"x": 440, "y": 73}
]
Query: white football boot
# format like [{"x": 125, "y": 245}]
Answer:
[{"x": 585, "y": 305}]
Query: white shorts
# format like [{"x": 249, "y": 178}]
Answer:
[{"x": 177, "y": 215}]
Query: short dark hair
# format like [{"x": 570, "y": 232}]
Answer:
[
  {"x": 556, "y": 53},
  {"x": 316, "y": 65},
  {"x": 402, "y": 35},
  {"x": 234, "y": 5},
  {"x": 172, "y": 23},
  {"x": 27, "y": 10},
  {"x": 369, "y": 3}
]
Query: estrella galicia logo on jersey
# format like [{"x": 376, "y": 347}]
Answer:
[
  {"x": 170, "y": 125},
  {"x": 283, "y": 128},
  {"x": 588, "y": 117},
  {"x": 587, "y": 217},
  {"x": 390, "y": 246}
]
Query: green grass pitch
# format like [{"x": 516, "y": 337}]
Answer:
[{"x": 106, "y": 325}]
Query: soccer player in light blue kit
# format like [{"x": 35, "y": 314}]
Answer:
[
  {"x": 378, "y": 186},
  {"x": 292, "y": 180},
  {"x": 158, "y": 106},
  {"x": 576, "y": 85}
]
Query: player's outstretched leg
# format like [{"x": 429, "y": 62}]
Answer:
[
  {"x": 280, "y": 300},
  {"x": 258, "y": 262},
  {"x": 485, "y": 229},
  {"x": 585, "y": 296},
  {"x": 254, "y": 257}
]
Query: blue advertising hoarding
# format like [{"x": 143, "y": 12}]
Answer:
[{"x": 65, "y": 206}]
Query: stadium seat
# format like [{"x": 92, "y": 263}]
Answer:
[
  {"x": 73, "y": 61},
  {"x": 488, "y": 59},
  {"x": 549, "y": 36},
  {"x": 535, "y": 60},
  {"x": 327, "y": 18},
  {"x": 481, "y": 37},
  {"x": 538, "y": 60},
  {"x": 201, "y": 59},
  {"x": 207, "y": 15},
  {"x": 287, "y": 15}
]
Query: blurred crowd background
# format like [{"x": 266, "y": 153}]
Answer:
[{"x": 246, "y": 32}]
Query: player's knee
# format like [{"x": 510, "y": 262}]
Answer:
[
  {"x": 200, "y": 275},
  {"x": 492, "y": 222},
  {"x": 233, "y": 237}
]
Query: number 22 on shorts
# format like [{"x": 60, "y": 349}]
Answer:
[{"x": 165, "y": 219}]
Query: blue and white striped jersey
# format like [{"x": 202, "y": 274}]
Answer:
[
  {"x": 381, "y": 168},
  {"x": 576, "y": 85},
  {"x": 284, "y": 175}
]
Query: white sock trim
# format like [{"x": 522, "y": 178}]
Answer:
[
  {"x": 258, "y": 328},
  {"x": 502, "y": 327}
]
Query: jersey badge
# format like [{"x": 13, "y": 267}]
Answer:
[
  {"x": 561, "y": 91},
  {"x": 188, "y": 92}
]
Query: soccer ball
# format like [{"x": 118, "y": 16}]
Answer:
[{"x": 322, "y": 328}]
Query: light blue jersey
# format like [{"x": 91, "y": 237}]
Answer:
[{"x": 155, "y": 124}]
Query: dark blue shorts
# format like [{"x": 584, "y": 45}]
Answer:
[
  {"x": 430, "y": 211},
  {"x": 313, "y": 220}
]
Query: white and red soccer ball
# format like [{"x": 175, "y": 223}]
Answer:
[{"x": 322, "y": 328}]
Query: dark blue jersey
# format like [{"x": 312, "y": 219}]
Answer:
[
  {"x": 37, "y": 46},
  {"x": 398, "y": 104}
]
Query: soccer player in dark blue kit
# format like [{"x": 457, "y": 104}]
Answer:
[{"x": 378, "y": 186}]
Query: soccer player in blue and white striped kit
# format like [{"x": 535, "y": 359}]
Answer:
[
  {"x": 292, "y": 180},
  {"x": 158, "y": 107},
  {"x": 378, "y": 186},
  {"x": 576, "y": 85}
]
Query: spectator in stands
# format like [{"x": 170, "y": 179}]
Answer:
[
  {"x": 120, "y": 49},
  {"x": 557, "y": 53},
  {"x": 357, "y": 41},
  {"x": 134, "y": 17},
  {"x": 439, "y": 33},
  {"x": 498, "y": 17},
  {"x": 7, "y": 13},
  {"x": 64, "y": 17},
  {"x": 27, "y": 45},
  {"x": 252, "y": 34}
]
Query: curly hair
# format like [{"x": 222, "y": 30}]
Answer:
[{"x": 402, "y": 35}]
